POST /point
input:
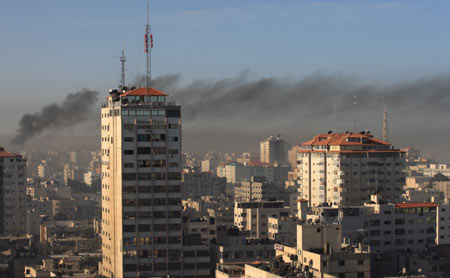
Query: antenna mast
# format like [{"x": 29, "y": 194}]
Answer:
[
  {"x": 148, "y": 51},
  {"x": 385, "y": 117},
  {"x": 334, "y": 107},
  {"x": 123, "y": 59},
  {"x": 355, "y": 102}
]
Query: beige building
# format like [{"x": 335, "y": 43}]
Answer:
[
  {"x": 346, "y": 168},
  {"x": 141, "y": 185},
  {"x": 444, "y": 187},
  {"x": 13, "y": 193},
  {"x": 273, "y": 150},
  {"x": 320, "y": 251},
  {"x": 253, "y": 217},
  {"x": 385, "y": 227}
]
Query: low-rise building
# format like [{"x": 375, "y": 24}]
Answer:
[{"x": 253, "y": 216}]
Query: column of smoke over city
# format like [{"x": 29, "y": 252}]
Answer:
[{"x": 74, "y": 109}]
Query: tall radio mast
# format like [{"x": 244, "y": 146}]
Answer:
[
  {"x": 123, "y": 59},
  {"x": 148, "y": 50},
  {"x": 385, "y": 117}
]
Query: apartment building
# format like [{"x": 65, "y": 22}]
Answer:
[
  {"x": 385, "y": 227},
  {"x": 258, "y": 189},
  {"x": 236, "y": 172},
  {"x": 443, "y": 224},
  {"x": 346, "y": 168},
  {"x": 273, "y": 150},
  {"x": 141, "y": 185},
  {"x": 12, "y": 193},
  {"x": 321, "y": 252},
  {"x": 253, "y": 217}
]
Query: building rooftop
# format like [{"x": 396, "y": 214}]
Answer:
[
  {"x": 144, "y": 92},
  {"x": 339, "y": 139},
  {"x": 4, "y": 153},
  {"x": 416, "y": 205}
]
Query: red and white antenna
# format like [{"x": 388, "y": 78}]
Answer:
[{"x": 148, "y": 51}]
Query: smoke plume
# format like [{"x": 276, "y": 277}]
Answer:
[
  {"x": 241, "y": 110},
  {"x": 75, "y": 108}
]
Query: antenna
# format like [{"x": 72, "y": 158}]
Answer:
[
  {"x": 385, "y": 116},
  {"x": 355, "y": 102},
  {"x": 148, "y": 51},
  {"x": 334, "y": 107},
  {"x": 123, "y": 59}
]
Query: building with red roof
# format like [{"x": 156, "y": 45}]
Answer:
[{"x": 346, "y": 168}]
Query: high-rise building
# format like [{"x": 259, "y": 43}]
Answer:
[
  {"x": 12, "y": 193},
  {"x": 347, "y": 168},
  {"x": 273, "y": 150},
  {"x": 141, "y": 185}
]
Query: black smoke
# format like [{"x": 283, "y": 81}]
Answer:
[
  {"x": 241, "y": 110},
  {"x": 75, "y": 108}
]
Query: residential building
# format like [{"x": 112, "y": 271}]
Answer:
[
  {"x": 417, "y": 195},
  {"x": 141, "y": 185},
  {"x": 385, "y": 227},
  {"x": 12, "y": 192},
  {"x": 321, "y": 252},
  {"x": 443, "y": 224},
  {"x": 444, "y": 187},
  {"x": 196, "y": 257},
  {"x": 346, "y": 168},
  {"x": 234, "y": 247},
  {"x": 273, "y": 150},
  {"x": 253, "y": 217},
  {"x": 197, "y": 183},
  {"x": 236, "y": 172},
  {"x": 258, "y": 189}
]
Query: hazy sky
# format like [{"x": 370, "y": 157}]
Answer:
[{"x": 52, "y": 48}]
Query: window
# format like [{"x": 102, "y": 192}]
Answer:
[
  {"x": 387, "y": 222},
  {"x": 360, "y": 275},
  {"x": 129, "y": 228},
  {"x": 143, "y": 150},
  {"x": 158, "y": 138},
  {"x": 341, "y": 275},
  {"x": 158, "y": 150},
  {"x": 360, "y": 262},
  {"x": 173, "y": 113},
  {"x": 399, "y": 221},
  {"x": 399, "y": 231},
  {"x": 158, "y": 112},
  {"x": 128, "y": 139},
  {"x": 128, "y": 165},
  {"x": 173, "y": 125},
  {"x": 128, "y": 152},
  {"x": 173, "y": 139},
  {"x": 143, "y": 125},
  {"x": 374, "y": 223},
  {"x": 325, "y": 263},
  {"x": 129, "y": 176},
  {"x": 375, "y": 233},
  {"x": 341, "y": 263},
  {"x": 143, "y": 137}
]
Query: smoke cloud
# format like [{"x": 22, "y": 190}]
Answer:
[
  {"x": 241, "y": 110},
  {"x": 75, "y": 108}
]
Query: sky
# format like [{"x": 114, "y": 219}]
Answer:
[{"x": 52, "y": 48}]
